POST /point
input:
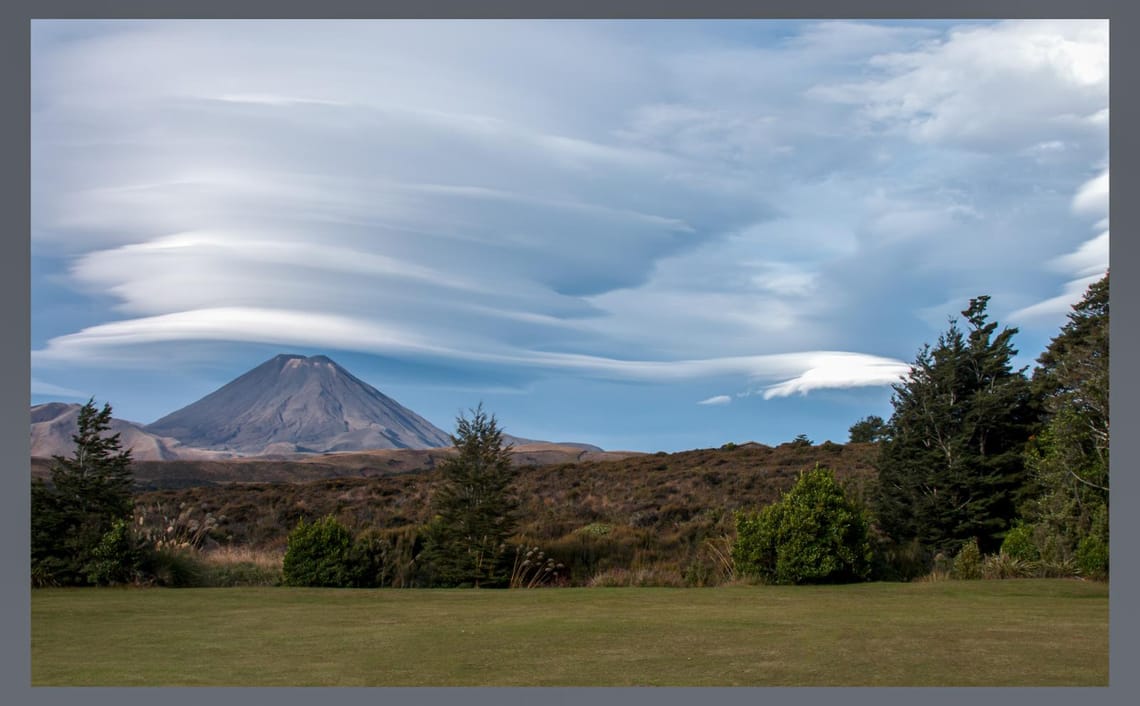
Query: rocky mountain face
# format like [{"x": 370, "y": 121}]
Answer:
[{"x": 293, "y": 404}]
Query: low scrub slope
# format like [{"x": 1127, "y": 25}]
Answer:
[{"x": 593, "y": 515}]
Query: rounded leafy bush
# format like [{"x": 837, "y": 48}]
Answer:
[
  {"x": 1018, "y": 543},
  {"x": 814, "y": 534},
  {"x": 319, "y": 554}
]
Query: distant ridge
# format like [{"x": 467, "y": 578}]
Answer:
[
  {"x": 297, "y": 404},
  {"x": 54, "y": 423}
]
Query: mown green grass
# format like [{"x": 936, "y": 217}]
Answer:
[{"x": 1028, "y": 632}]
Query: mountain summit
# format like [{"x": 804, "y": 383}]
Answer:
[{"x": 294, "y": 404}]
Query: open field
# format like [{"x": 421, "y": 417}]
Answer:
[{"x": 1017, "y": 632}]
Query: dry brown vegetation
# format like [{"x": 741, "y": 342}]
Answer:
[{"x": 665, "y": 512}]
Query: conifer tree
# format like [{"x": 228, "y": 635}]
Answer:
[
  {"x": 88, "y": 492},
  {"x": 475, "y": 507},
  {"x": 952, "y": 465}
]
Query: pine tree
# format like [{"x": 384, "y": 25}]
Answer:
[
  {"x": 88, "y": 492},
  {"x": 952, "y": 466},
  {"x": 475, "y": 507}
]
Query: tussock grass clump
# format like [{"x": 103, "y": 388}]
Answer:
[
  {"x": 653, "y": 576},
  {"x": 241, "y": 566},
  {"x": 1004, "y": 566}
]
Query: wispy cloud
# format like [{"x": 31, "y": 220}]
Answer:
[
  {"x": 717, "y": 400},
  {"x": 39, "y": 387},
  {"x": 107, "y": 343}
]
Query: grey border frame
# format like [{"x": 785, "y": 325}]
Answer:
[{"x": 14, "y": 42}]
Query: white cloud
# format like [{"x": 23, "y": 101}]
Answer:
[
  {"x": 1092, "y": 197},
  {"x": 1056, "y": 308},
  {"x": 1050, "y": 79},
  {"x": 1089, "y": 260},
  {"x": 717, "y": 400},
  {"x": 838, "y": 371}
]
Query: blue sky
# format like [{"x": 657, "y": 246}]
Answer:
[{"x": 643, "y": 235}]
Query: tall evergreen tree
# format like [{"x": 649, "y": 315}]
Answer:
[
  {"x": 475, "y": 507},
  {"x": 951, "y": 467},
  {"x": 1069, "y": 460},
  {"x": 88, "y": 492}
]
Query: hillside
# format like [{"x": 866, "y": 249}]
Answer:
[{"x": 646, "y": 507}]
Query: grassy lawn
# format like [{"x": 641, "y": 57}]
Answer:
[{"x": 1029, "y": 632}]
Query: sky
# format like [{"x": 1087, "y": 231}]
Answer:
[{"x": 645, "y": 235}]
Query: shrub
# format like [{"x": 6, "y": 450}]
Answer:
[
  {"x": 814, "y": 534},
  {"x": 1092, "y": 551},
  {"x": 118, "y": 558},
  {"x": 320, "y": 554},
  {"x": 1018, "y": 543},
  {"x": 968, "y": 562},
  {"x": 1092, "y": 557}
]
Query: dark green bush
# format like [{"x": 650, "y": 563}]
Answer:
[
  {"x": 814, "y": 534},
  {"x": 320, "y": 554}
]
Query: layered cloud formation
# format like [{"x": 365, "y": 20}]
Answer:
[{"x": 773, "y": 205}]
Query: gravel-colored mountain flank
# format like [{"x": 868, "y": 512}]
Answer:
[{"x": 294, "y": 404}]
